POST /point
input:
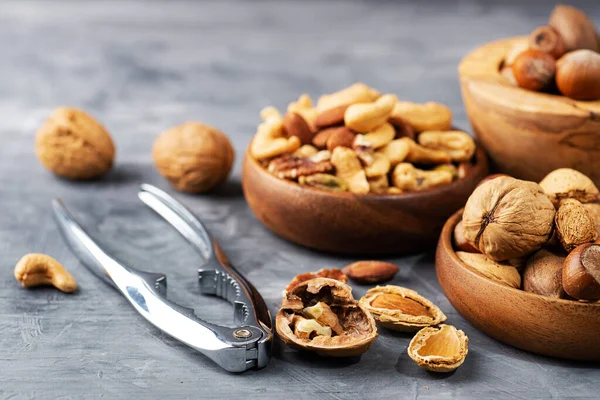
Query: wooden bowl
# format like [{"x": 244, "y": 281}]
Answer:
[
  {"x": 342, "y": 222},
  {"x": 527, "y": 134},
  {"x": 543, "y": 325}
]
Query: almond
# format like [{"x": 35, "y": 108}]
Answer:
[
  {"x": 341, "y": 137},
  {"x": 402, "y": 127},
  {"x": 295, "y": 125},
  {"x": 370, "y": 271},
  {"x": 321, "y": 137},
  {"x": 333, "y": 116}
]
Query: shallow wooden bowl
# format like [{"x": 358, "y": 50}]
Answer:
[
  {"x": 342, "y": 222},
  {"x": 543, "y": 325},
  {"x": 527, "y": 134}
]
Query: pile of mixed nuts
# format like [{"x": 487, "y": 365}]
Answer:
[
  {"x": 318, "y": 313},
  {"x": 360, "y": 141},
  {"x": 541, "y": 238},
  {"x": 562, "y": 55}
]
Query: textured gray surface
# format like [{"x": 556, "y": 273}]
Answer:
[{"x": 143, "y": 67}]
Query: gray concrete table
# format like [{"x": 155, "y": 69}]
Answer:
[{"x": 143, "y": 67}]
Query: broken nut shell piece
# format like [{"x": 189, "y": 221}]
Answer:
[
  {"x": 401, "y": 309},
  {"x": 439, "y": 349},
  {"x": 357, "y": 326},
  {"x": 333, "y": 273}
]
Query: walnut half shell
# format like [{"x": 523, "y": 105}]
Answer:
[
  {"x": 439, "y": 349},
  {"x": 320, "y": 315},
  {"x": 401, "y": 309}
]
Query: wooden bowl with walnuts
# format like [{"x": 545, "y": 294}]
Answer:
[
  {"x": 360, "y": 172},
  {"x": 521, "y": 262},
  {"x": 534, "y": 102}
]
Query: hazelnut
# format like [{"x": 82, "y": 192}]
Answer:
[
  {"x": 534, "y": 69},
  {"x": 74, "y": 145},
  {"x": 578, "y": 75},
  {"x": 581, "y": 272},
  {"x": 574, "y": 225},
  {"x": 543, "y": 274},
  {"x": 194, "y": 157},
  {"x": 548, "y": 40},
  {"x": 575, "y": 27}
]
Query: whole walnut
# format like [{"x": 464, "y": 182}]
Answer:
[
  {"x": 194, "y": 157},
  {"x": 508, "y": 218},
  {"x": 74, "y": 145}
]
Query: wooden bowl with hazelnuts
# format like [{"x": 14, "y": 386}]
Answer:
[
  {"x": 534, "y": 102},
  {"x": 521, "y": 262},
  {"x": 360, "y": 172}
]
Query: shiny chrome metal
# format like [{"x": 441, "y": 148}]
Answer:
[{"x": 246, "y": 346}]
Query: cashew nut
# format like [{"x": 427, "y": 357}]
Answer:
[
  {"x": 357, "y": 93},
  {"x": 459, "y": 145},
  {"x": 323, "y": 155},
  {"x": 377, "y": 138},
  {"x": 349, "y": 169},
  {"x": 396, "y": 151},
  {"x": 379, "y": 167},
  {"x": 365, "y": 117},
  {"x": 270, "y": 112},
  {"x": 407, "y": 178},
  {"x": 423, "y": 155},
  {"x": 269, "y": 140},
  {"x": 379, "y": 184},
  {"x": 41, "y": 269},
  {"x": 424, "y": 117},
  {"x": 304, "y": 107},
  {"x": 306, "y": 151}
]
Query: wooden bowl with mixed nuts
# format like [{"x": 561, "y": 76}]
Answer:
[
  {"x": 521, "y": 262},
  {"x": 360, "y": 172},
  {"x": 534, "y": 102}
]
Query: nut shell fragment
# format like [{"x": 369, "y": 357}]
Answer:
[
  {"x": 401, "y": 309},
  {"x": 333, "y": 273},
  {"x": 357, "y": 325},
  {"x": 439, "y": 349}
]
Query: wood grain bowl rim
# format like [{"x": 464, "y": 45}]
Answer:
[
  {"x": 480, "y": 155},
  {"x": 446, "y": 243},
  {"x": 489, "y": 71}
]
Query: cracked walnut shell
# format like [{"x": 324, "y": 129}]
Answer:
[
  {"x": 194, "y": 157},
  {"x": 74, "y": 145},
  {"x": 401, "y": 309},
  {"x": 508, "y": 218},
  {"x": 439, "y": 349},
  {"x": 320, "y": 315}
]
